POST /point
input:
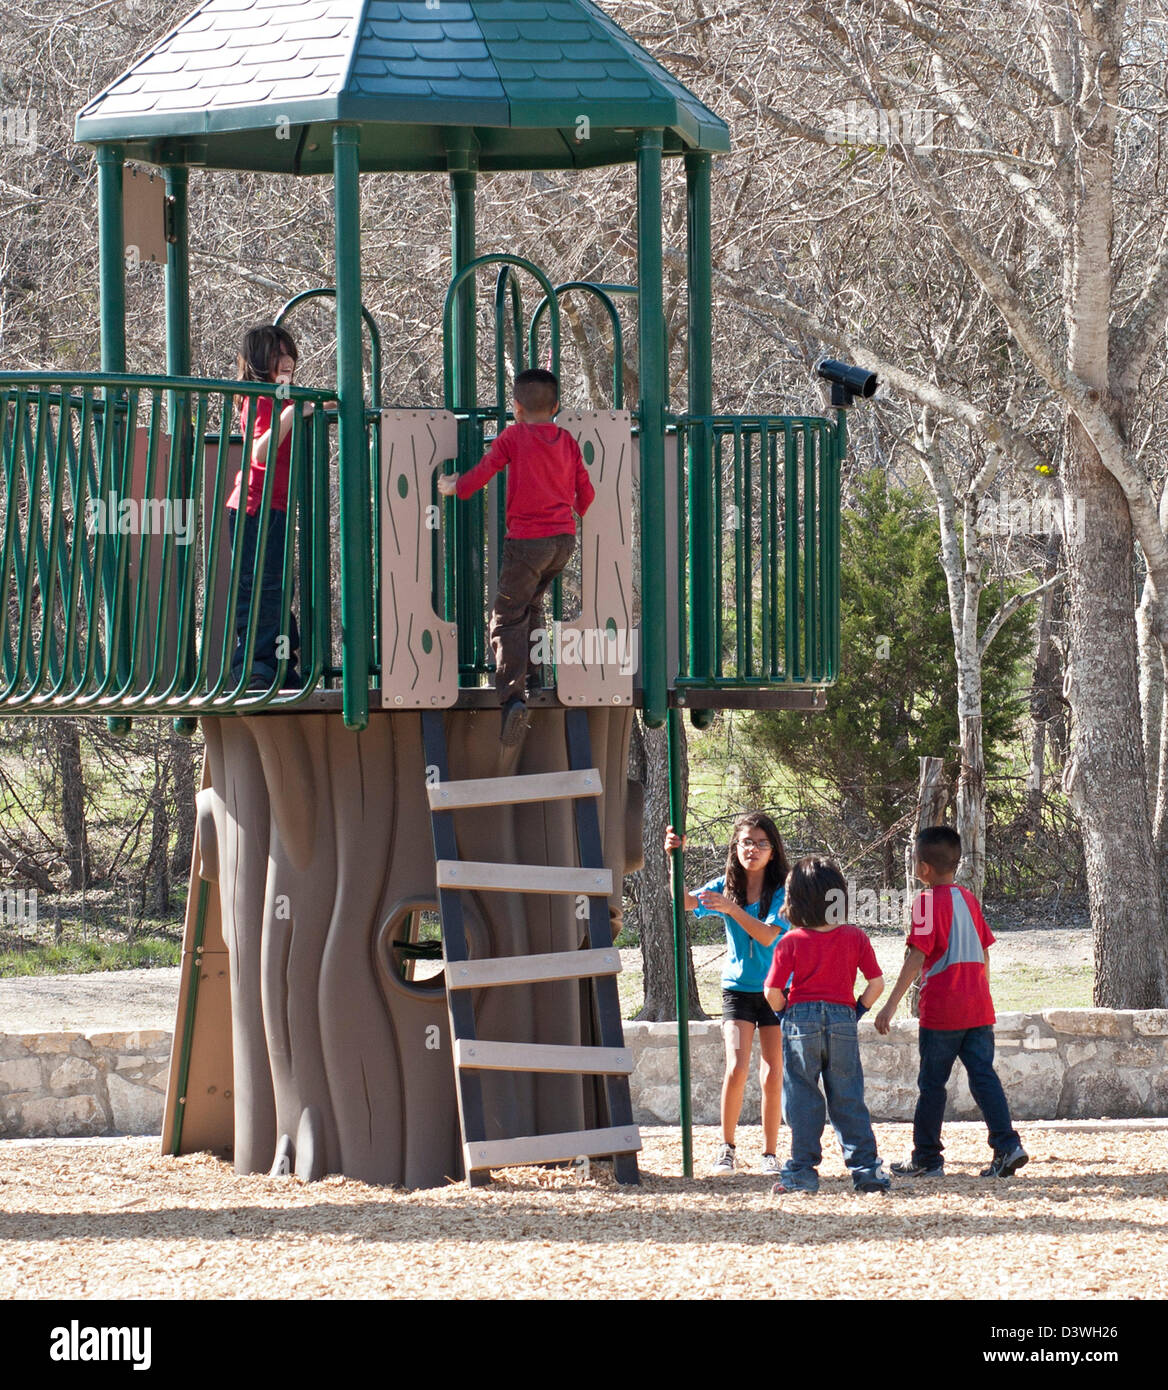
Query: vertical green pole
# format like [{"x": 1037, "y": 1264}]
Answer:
[
  {"x": 178, "y": 363},
  {"x": 355, "y": 531},
  {"x": 651, "y": 350},
  {"x": 833, "y": 503},
  {"x": 680, "y": 972},
  {"x": 112, "y": 275},
  {"x": 111, "y": 258},
  {"x": 701, "y": 396},
  {"x": 464, "y": 559}
]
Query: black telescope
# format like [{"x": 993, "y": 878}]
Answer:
[{"x": 847, "y": 382}]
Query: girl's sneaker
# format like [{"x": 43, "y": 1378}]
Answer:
[
  {"x": 910, "y": 1169},
  {"x": 724, "y": 1163},
  {"x": 1005, "y": 1165},
  {"x": 770, "y": 1165}
]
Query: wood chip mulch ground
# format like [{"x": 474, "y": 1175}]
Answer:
[{"x": 113, "y": 1219}]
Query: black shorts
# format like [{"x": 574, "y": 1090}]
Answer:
[{"x": 741, "y": 1007}]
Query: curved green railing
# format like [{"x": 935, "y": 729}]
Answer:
[{"x": 119, "y": 579}]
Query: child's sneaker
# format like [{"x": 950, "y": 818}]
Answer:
[
  {"x": 514, "y": 721},
  {"x": 909, "y": 1169},
  {"x": 724, "y": 1163},
  {"x": 785, "y": 1186},
  {"x": 1007, "y": 1164},
  {"x": 770, "y": 1165},
  {"x": 875, "y": 1180}
]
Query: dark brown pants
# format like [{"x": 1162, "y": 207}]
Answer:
[{"x": 528, "y": 568}]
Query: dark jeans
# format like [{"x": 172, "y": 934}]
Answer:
[
  {"x": 940, "y": 1048},
  {"x": 820, "y": 1045},
  {"x": 265, "y": 661},
  {"x": 528, "y": 568}
]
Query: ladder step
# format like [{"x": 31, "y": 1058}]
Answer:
[
  {"x": 526, "y": 970},
  {"x": 509, "y": 791},
  {"x": 523, "y": 878},
  {"x": 473, "y": 1054},
  {"x": 551, "y": 1148}
]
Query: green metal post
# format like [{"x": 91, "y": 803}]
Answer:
[
  {"x": 680, "y": 957},
  {"x": 651, "y": 351},
  {"x": 112, "y": 273},
  {"x": 466, "y": 552},
  {"x": 355, "y": 531},
  {"x": 178, "y": 355},
  {"x": 111, "y": 253},
  {"x": 701, "y": 398},
  {"x": 701, "y": 403}
]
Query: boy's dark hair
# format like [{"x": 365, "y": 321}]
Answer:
[
  {"x": 775, "y": 873},
  {"x": 816, "y": 891},
  {"x": 263, "y": 346},
  {"x": 939, "y": 847},
  {"x": 537, "y": 390}
]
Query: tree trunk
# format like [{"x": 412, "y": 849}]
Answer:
[
  {"x": 653, "y": 895},
  {"x": 182, "y": 778},
  {"x": 67, "y": 738},
  {"x": 1106, "y": 779},
  {"x": 155, "y": 895}
]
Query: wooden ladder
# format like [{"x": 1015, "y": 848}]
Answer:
[{"x": 600, "y": 962}]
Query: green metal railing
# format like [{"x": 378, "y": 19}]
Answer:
[
  {"x": 119, "y": 574},
  {"x": 758, "y": 525}
]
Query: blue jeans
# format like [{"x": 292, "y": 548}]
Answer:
[
  {"x": 820, "y": 1044},
  {"x": 265, "y": 662},
  {"x": 940, "y": 1048}
]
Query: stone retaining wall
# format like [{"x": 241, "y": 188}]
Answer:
[
  {"x": 1063, "y": 1064},
  {"x": 57, "y": 1084}
]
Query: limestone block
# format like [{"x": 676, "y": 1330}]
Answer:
[
  {"x": 658, "y": 1105},
  {"x": 1150, "y": 1022},
  {"x": 1012, "y": 1023},
  {"x": 1096, "y": 1023},
  {"x": 62, "y": 1116},
  {"x": 657, "y": 1066},
  {"x": 20, "y": 1074},
  {"x": 73, "y": 1071},
  {"x": 52, "y": 1042},
  {"x": 1075, "y": 1053},
  {"x": 1033, "y": 1083},
  {"x": 155, "y": 1041},
  {"x": 890, "y": 1101},
  {"x": 136, "y": 1109},
  {"x": 1108, "y": 1095},
  {"x": 10, "y": 1125}
]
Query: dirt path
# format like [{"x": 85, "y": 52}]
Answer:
[{"x": 114, "y": 1219}]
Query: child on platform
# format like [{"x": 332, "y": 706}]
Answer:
[
  {"x": 813, "y": 977},
  {"x": 267, "y": 354},
  {"x": 546, "y": 482},
  {"x": 949, "y": 939}
]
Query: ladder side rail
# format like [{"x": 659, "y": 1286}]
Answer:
[
  {"x": 604, "y": 988},
  {"x": 459, "y": 1002}
]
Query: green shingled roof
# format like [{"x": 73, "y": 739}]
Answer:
[{"x": 256, "y": 84}]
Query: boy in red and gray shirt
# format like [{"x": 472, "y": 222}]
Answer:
[
  {"x": 950, "y": 941},
  {"x": 546, "y": 482}
]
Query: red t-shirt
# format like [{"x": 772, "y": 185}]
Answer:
[
  {"x": 255, "y": 478},
  {"x": 823, "y": 964},
  {"x": 949, "y": 928},
  {"x": 546, "y": 479}
]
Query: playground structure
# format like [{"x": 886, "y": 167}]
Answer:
[{"x": 336, "y": 815}]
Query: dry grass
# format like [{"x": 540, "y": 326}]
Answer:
[{"x": 114, "y": 1219}]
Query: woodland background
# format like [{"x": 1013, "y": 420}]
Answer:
[{"x": 999, "y": 256}]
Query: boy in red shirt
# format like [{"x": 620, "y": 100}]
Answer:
[
  {"x": 813, "y": 976},
  {"x": 949, "y": 938},
  {"x": 546, "y": 482}
]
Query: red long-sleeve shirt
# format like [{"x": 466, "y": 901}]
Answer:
[{"x": 546, "y": 479}]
